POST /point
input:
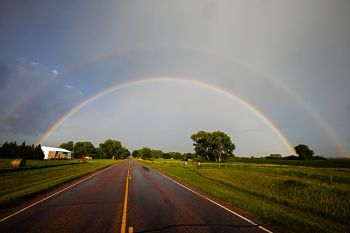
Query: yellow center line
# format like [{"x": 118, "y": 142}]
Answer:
[{"x": 125, "y": 207}]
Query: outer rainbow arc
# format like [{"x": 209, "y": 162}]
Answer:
[
  {"x": 61, "y": 76},
  {"x": 280, "y": 86},
  {"x": 116, "y": 87},
  {"x": 295, "y": 98},
  {"x": 305, "y": 108}
]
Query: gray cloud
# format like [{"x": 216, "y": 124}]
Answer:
[
  {"x": 39, "y": 107},
  {"x": 302, "y": 44},
  {"x": 4, "y": 74}
]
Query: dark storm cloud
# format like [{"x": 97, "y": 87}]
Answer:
[
  {"x": 39, "y": 107},
  {"x": 289, "y": 59},
  {"x": 4, "y": 74}
]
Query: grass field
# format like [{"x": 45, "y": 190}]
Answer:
[
  {"x": 38, "y": 176},
  {"x": 5, "y": 164},
  {"x": 329, "y": 163},
  {"x": 298, "y": 198}
]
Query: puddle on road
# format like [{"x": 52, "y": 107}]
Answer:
[{"x": 145, "y": 168}]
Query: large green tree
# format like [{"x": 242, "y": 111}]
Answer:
[
  {"x": 84, "y": 149},
  {"x": 136, "y": 154},
  {"x": 176, "y": 155},
  {"x": 13, "y": 150},
  {"x": 110, "y": 148},
  {"x": 125, "y": 153},
  {"x": 213, "y": 146},
  {"x": 304, "y": 152},
  {"x": 113, "y": 148},
  {"x": 157, "y": 154},
  {"x": 145, "y": 153},
  {"x": 68, "y": 146},
  {"x": 37, "y": 153}
]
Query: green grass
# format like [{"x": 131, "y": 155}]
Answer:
[
  {"x": 299, "y": 198},
  {"x": 40, "y": 176},
  {"x": 329, "y": 163},
  {"x": 5, "y": 164}
]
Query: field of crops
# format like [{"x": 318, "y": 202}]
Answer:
[
  {"x": 298, "y": 198},
  {"x": 38, "y": 176}
]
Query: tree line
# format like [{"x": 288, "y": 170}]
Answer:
[
  {"x": 208, "y": 146},
  {"x": 217, "y": 147},
  {"x": 303, "y": 152},
  {"x": 109, "y": 149},
  {"x": 147, "y": 153},
  {"x": 12, "y": 150}
]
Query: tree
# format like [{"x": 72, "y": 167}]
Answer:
[
  {"x": 166, "y": 156},
  {"x": 304, "y": 152},
  {"x": 136, "y": 154},
  {"x": 145, "y": 153},
  {"x": 111, "y": 148},
  {"x": 157, "y": 154},
  {"x": 213, "y": 146},
  {"x": 68, "y": 145},
  {"x": 124, "y": 153},
  {"x": 222, "y": 146},
  {"x": 84, "y": 149},
  {"x": 37, "y": 153},
  {"x": 189, "y": 156},
  {"x": 274, "y": 156},
  {"x": 12, "y": 150},
  {"x": 175, "y": 155},
  {"x": 201, "y": 144},
  {"x": 99, "y": 153}
]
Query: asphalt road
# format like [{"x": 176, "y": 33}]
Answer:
[{"x": 127, "y": 196}]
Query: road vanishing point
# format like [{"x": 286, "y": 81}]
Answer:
[{"x": 126, "y": 197}]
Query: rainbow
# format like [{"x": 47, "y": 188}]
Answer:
[
  {"x": 119, "y": 86},
  {"x": 306, "y": 109},
  {"x": 311, "y": 113},
  {"x": 342, "y": 149}
]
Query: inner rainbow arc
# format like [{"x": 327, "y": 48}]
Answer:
[{"x": 188, "y": 81}]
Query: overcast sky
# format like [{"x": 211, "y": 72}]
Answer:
[{"x": 290, "y": 60}]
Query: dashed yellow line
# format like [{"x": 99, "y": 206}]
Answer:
[{"x": 125, "y": 207}]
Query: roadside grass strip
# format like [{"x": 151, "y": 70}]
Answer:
[
  {"x": 221, "y": 206},
  {"x": 22, "y": 185},
  {"x": 297, "y": 198}
]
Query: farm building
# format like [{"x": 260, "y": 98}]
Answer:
[{"x": 56, "y": 153}]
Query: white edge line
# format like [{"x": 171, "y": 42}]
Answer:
[
  {"x": 62, "y": 190},
  {"x": 214, "y": 202}
]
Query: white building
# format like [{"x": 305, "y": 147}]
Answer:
[{"x": 56, "y": 153}]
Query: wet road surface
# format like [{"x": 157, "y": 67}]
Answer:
[{"x": 152, "y": 203}]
